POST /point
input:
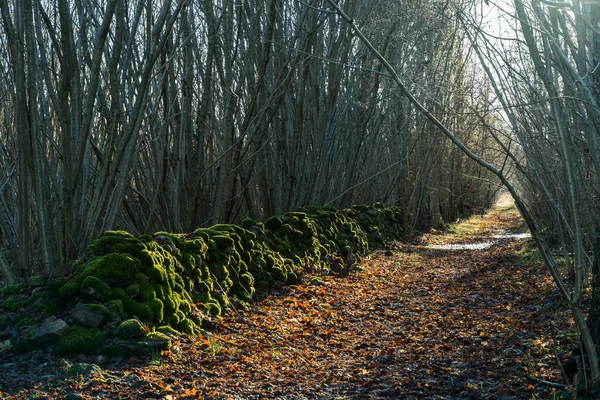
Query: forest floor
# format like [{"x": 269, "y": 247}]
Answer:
[{"x": 412, "y": 322}]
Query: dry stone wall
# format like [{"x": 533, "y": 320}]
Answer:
[{"x": 182, "y": 282}]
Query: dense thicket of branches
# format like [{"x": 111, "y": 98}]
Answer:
[
  {"x": 170, "y": 115},
  {"x": 545, "y": 71}
]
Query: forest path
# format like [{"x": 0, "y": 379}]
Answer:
[{"x": 413, "y": 322}]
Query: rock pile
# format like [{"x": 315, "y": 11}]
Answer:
[{"x": 180, "y": 282}]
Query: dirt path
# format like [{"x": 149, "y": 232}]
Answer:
[{"x": 414, "y": 323}]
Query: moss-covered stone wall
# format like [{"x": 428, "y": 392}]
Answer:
[{"x": 181, "y": 281}]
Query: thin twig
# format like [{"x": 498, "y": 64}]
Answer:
[
  {"x": 555, "y": 351},
  {"x": 547, "y": 383}
]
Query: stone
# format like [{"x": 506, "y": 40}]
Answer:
[
  {"x": 95, "y": 290},
  {"x": 6, "y": 346},
  {"x": 101, "y": 360},
  {"x": 40, "y": 289},
  {"x": 83, "y": 369},
  {"x": 130, "y": 329},
  {"x": 80, "y": 340},
  {"x": 92, "y": 315},
  {"x": 37, "y": 282},
  {"x": 158, "y": 341},
  {"x": 51, "y": 329},
  {"x": 114, "y": 318}
]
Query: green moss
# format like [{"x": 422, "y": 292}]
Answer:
[
  {"x": 115, "y": 241},
  {"x": 11, "y": 304},
  {"x": 93, "y": 289},
  {"x": 36, "y": 280},
  {"x": 133, "y": 308},
  {"x": 131, "y": 246},
  {"x": 116, "y": 270},
  {"x": 147, "y": 291},
  {"x": 158, "y": 279},
  {"x": 224, "y": 243},
  {"x": 223, "y": 300},
  {"x": 117, "y": 234},
  {"x": 98, "y": 308},
  {"x": 83, "y": 369},
  {"x": 153, "y": 264},
  {"x": 159, "y": 337},
  {"x": 278, "y": 274},
  {"x": 80, "y": 340},
  {"x": 187, "y": 326},
  {"x": 195, "y": 246},
  {"x": 48, "y": 308},
  {"x": 157, "y": 307},
  {"x": 70, "y": 290},
  {"x": 170, "y": 306},
  {"x": 168, "y": 330},
  {"x": 11, "y": 289},
  {"x": 262, "y": 286},
  {"x": 53, "y": 287},
  {"x": 133, "y": 290},
  {"x": 130, "y": 329},
  {"x": 33, "y": 298},
  {"x": 117, "y": 307},
  {"x": 185, "y": 307},
  {"x": 202, "y": 297},
  {"x": 219, "y": 270},
  {"x": 273, "y": 224},
  {"x": 213, "y": 309},
  {"x": 22, "y": 321}
]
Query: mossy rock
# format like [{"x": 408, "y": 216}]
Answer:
[
  {"x": 154, "y": 265},
  {"x": 115, "y": 241},
  {"x": 21, "y": 322},
  {"x": 83, "y": 369},
  {"x": 94, "y": 289},
  {"x": 117, "y": 307},
  {"x": 11, "y": 304},
  {"x": 130, "y": 329},
  {"x": 195, "y": 246},
  {"x": 133, "y": 290},
  {"x": 99, "y": 308},
  {"x": 132, "y": 308},
  {"x": 53, "y": 287},
  {"x": 158, "y": 309},
  {"x": 33, "y": 298},
  {"x": 146, "y": 290},
  {"x": 168, "y": 330},
  {"x": 116, "y": 270},
  {"x": 48, "y": 308},
  {"x": 70, "y": 290},
  {"x": 224, "y": 243},
  {"x": 273, "y": 224},
  {"x": 158, "y": 340},
  {"x": 162, "y": 279},
  {"x": 11, "y": 289},
  {"x": 213, "y": 309},
  {"x": 80, "y": 340},
  {"x": 186, "y": 325}
]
